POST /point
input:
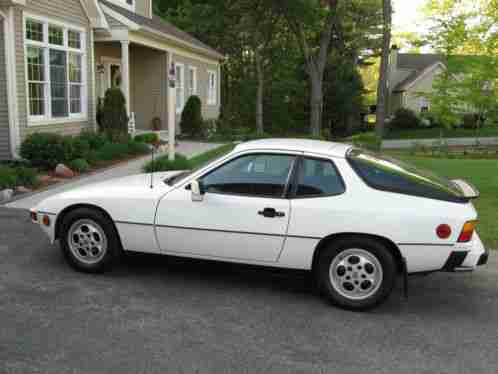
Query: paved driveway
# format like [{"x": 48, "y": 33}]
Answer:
[
  {"x": 160, "y": 315},
  {"x": 188, "y": 149}
]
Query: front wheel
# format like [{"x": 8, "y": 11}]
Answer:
[
  {"x": 356, "y": 274},
  {"x": 89, "y": 241}
]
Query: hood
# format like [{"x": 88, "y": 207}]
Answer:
[{"x": 126, "y": 187}]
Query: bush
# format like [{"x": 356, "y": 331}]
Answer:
[
  {"x": 164, "y": 164},
  {"x": 368, "y": 141},
  {"x": 114, "y": 120},
  {"x": 404, "y": 119},
  {"x": 149, "y": 138},
  {"x": 137, "y": 148},
  {"x": 191, "y": 121},
  {"x": 44, "y": 149},
  {"x": 8, "y": 178},
  {"x": 112, "y": 151},
  {"x": 11, "y": 177},
  {"x": 80, "y": 165},
  {"x": 471, "y": 121},
  {"x": 95, "y": 140}
]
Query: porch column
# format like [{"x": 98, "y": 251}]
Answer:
[
  {"x": 125, "y": 72},
  {"x": 171, "y": 110}
]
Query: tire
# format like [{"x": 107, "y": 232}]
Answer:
[
  {"x": 89, "y": 241},
  {"x": 356, "y": 273}
]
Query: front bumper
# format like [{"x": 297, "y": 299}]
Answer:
[{"x": 467, "y": 258}]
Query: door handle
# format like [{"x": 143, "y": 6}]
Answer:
[{"x": 271, "y": 213}]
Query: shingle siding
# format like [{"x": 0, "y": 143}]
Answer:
[
  {"x": 4, "y": 114},
  {"x": 208, "y": 111},
  {"x": 67, "y": 11}
]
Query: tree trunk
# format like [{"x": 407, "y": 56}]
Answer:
[
  {"x": 382, "y": 90},
  {"x": 316, "y": 104},
  {"x": 260, "y": 94}
]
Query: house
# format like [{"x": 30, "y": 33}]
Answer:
[
  {"x": 58, "y": 57},
  {"x": 410, "y": 76}
]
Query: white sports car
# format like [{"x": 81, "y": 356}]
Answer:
[{"x": 355, "y": 219}]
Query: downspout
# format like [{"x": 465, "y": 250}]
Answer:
[{"x": 10, "y": 72}]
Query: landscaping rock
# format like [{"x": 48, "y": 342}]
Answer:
[
  {"x": 63, "y": 171},
  {"x": 22, "y": 189},
  {"x": 44, "y": 179},
  {"x": 6, "y": 194}
]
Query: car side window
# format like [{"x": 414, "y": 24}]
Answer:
[
  {"x": 318, "y": 177},
  {"x": 252, "y": 175}
]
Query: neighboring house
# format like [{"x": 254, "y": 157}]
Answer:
[
  {"x": 410, "y": 76},
  {"x": 57, "y": 57}
]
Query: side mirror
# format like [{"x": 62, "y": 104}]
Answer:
[{"x": 197, "y": 191}]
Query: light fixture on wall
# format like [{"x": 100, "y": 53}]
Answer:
[
  {"x": 100, "y": 68},
  {"x": 172, "y": 75}
]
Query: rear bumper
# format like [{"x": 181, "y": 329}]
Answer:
[{"x": 467, "y": 258}]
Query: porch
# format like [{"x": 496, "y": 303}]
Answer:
[{"x": 142, "y": 74}]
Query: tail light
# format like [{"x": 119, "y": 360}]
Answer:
[
  {"x": 34, "y": 216},
  {"x": 467, "y": 232},
  {"x": 443, "y": 231}
]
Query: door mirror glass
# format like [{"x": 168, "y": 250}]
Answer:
[{"x": 197, "y": 191}]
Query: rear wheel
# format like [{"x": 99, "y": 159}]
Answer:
[
  {"x": 89, "y": 240},
  {"x": 356, "y": 273}
]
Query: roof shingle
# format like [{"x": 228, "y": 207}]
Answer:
[{"x": 158, "y": 24}]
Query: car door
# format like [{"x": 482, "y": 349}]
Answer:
[{"x": 243, "y": 215}]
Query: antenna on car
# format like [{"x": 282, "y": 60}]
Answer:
[{"x": 153, "y": 166}]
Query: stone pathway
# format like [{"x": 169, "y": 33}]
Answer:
[
  {"x": 188, "y": 149},
  {"x": 401, "y": 144}
]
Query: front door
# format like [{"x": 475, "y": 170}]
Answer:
[{"x": 244, "y": 214}]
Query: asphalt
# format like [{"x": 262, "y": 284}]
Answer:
[{"x": 164, "y": 315}]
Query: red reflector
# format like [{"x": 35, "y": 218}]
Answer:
[{"x": 443, "y": 231}]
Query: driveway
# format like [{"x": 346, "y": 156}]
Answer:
[
  {"x": 188, "y": 149},
  {"x": 163, "y": 315}
]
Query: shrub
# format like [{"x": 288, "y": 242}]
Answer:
[
  {"x": 137, "y": 148},
  {"x": 80, "y": 165},
  {"x": 368, "y": 141},
  {"x": 191, "y": 121},
  {"x": 114, "y": 117},
  {"x": 8, "y": 178},
  {"x": 149, "y": 138},
  {"x": 44, "y": 149},
  {"x": 95, "y": 140},
  {"x": 112, "y": 151},
  {"x": 404, "y": 119},
  {"x": 27, "y": 177},
  {"x": 164, "y": 164},
  {"x": 470, "y": 121}
]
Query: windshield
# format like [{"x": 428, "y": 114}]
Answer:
[
  {"x": 389, "y": 174},
  {"x": 180, "y": 177}
]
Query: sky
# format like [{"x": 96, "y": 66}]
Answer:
[{"x": 407, "y": 15}]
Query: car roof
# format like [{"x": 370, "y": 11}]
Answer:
[{"x": 297, "y": 145}]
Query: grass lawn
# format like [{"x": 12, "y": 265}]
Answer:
[
  {"x": 489, "y": 131},
  {"x": 484, "y": 175},
  {"x": 205, "y": 157}
]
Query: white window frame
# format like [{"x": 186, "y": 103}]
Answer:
[
  {"x": 192, "y": 88},
  {"x": 181, "y": 88},
  {"x": 47, "y": 119},
  {"x": 212, "y": 92}
]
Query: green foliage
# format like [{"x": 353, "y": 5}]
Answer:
[
  {"x": 114, "y": 121},
  {"x": 136, "y": 148},
  {"x": 404, "y": 119},
  {"x": 191, "y": 121},
  {"x": 44, "y": 149},
  {"x": 471, "y": 121},
  {"x": 95, "y": 140},
  {"x": 8, "y": 178},
  {"x": 11, "y": 177},
  {"x": 112, "y": 151},
  {"x": 149, "y": 138},
  {"x": 80, "y": 165},
  {"x": 368, "y": 141},
  {"x": 164, "y": 164}
]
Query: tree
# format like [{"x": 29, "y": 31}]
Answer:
[
  {"x": 382, "y": 90},
  {"x": 468, "y": 39},
  {"x": 114, "y": 116},
  {"x": 314, "y": 43}
]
